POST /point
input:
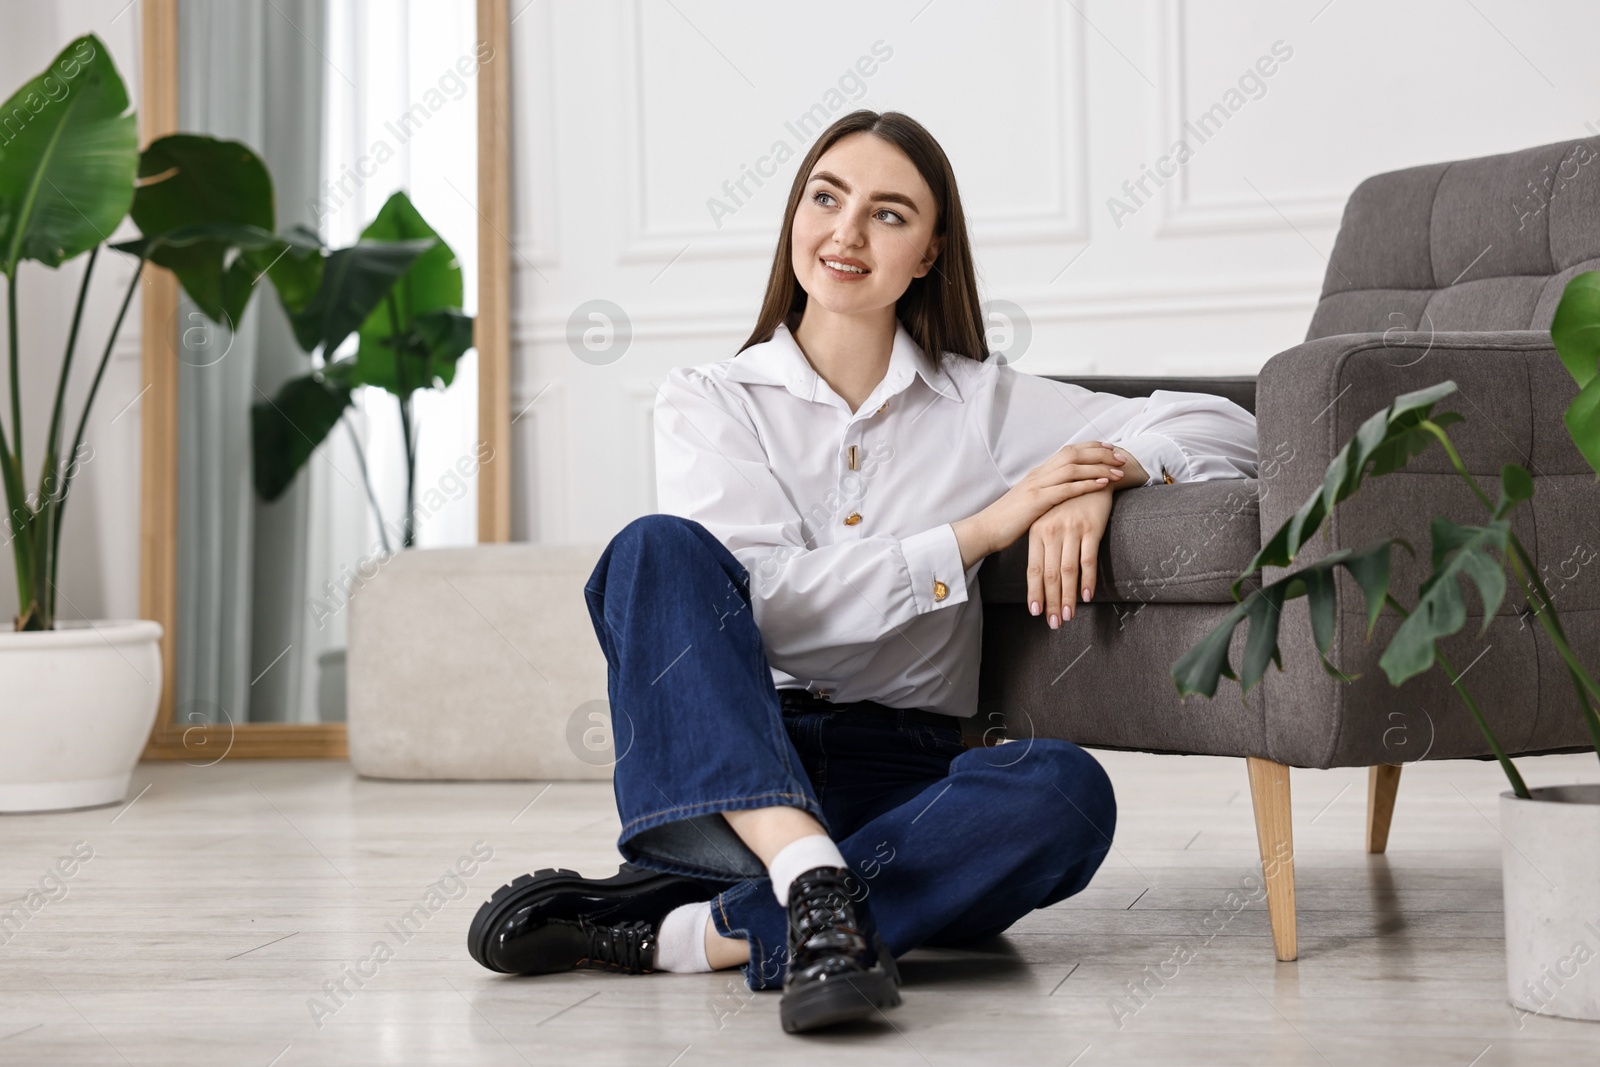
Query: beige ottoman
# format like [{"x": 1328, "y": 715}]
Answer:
[{"x": 478, "y": 662}]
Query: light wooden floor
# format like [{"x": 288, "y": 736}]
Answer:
[{"x": 218, "y": 903}]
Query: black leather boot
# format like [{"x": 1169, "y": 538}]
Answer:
[
  {"x": 839, "y": 969},
  {"x": 556, "y": 920}
]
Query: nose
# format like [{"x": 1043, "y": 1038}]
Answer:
[{"x": 849, "y": 231}]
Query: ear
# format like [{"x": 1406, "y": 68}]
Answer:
[{"x": 934, "y": 248}]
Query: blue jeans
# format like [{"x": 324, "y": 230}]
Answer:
[{"x": 950, "y": 844}]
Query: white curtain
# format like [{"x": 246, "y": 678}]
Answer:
[
  {"x": 249, "y": 71},
  {"x": 321, "y": 89}
]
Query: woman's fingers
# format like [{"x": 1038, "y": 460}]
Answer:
[
  {"x": 1035, "y": 571},
  {"x": 1051, "y": 560},
  {"x": 1089, "y": 568},
  {"x": 1069, "y": 575}
]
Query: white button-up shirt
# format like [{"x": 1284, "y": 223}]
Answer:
[{"x": 843, "y": 518}]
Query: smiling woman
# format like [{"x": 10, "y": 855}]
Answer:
[{"x": 816, "y": 714}]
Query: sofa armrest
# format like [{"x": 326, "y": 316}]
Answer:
[{"x": 1511, "y": 388}]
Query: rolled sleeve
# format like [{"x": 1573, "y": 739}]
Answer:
[
  {"x": 933, "y": 559},
  {"x": 1158, "y": 454}
]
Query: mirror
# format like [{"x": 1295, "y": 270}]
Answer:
[{"x": 347, "y": 102}]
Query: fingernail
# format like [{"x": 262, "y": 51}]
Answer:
[
  {"x": 1054, "y": 622},
  {"x": 1069, "y": 613},
  {"x": 1033, "y": 608},
  {"x": 1085, "y": 593},
  {"x": 1116, "y": 474},
  {"x": 1102, "y": 481},
  {"x": 1118, "y": 456}
]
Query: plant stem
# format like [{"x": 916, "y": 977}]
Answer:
[
  {"x": 1455, "y": 461},
  {"x": 1517, "y": 785},
  {"x": 83, "y": 420},
  {"x": 16, "y": 381},
  {"x": 397, "y": 344},
  {"x": 1546, "y": 614},
  {"x": 50, "y": 474},
  {"x": 372, "y": 497}
]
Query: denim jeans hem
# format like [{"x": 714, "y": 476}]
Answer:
[
  {"x": 698, "y": 843},
  {"x": 760, "y": 973}
]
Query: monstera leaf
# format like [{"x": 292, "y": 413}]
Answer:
[
  {"x": 1576, "y": 333},
  {"x": 68, "y": 161},
  {"x": 1198, "y": 670},
  {"x": 1383, "y": 444}
]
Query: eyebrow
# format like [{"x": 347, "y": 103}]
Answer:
[{"x": 892, "y": 198}]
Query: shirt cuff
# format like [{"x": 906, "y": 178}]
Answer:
[
  {"x": 934, "y": 559},
  {"x": 1159, "y": 455}
]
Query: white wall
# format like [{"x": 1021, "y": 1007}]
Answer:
[{"x": 630, "y": 114}]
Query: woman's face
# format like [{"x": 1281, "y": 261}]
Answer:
[{"x": 866, "y": 207}]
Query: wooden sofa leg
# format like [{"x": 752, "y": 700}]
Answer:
[
  {"x": 1269, "y": 792},
  {"x": 1382, "y": 783}
]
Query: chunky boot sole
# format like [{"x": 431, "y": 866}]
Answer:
[
  {"x": 559, "y": 947},
  {"x": 837, "y": 1000}
]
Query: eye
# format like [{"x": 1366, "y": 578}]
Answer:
[
  {"x": 819, "y": 196},
  {"x": 894, "y": 216}
]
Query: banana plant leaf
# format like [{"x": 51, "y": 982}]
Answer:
[
  {"x": 1576, "y": 333},
  {"x": 188, "y": 180},
  {"x": 287, "y": 429},
  {"x": 424, "y": 349},
  {"x": 68, "y": 162},
  {"x": 354, "y": 281}
]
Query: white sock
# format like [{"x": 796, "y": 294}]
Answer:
[
  {"x": 798, "y": 857},
  {"x": 681, "y": 940}
]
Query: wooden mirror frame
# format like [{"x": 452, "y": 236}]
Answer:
[{"x": 158, "y": 519}]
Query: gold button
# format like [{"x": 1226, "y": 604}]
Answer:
[
  {"x": 940, "y": 591},
  {"x": 1167, "y": 477},
  {"x": 882, "y": 408},
  {"x": 853, "y": 518},
  {"x": 853, "y": 457}
]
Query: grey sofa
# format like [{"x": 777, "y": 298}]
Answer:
[{"x": 1445, "y": 271}]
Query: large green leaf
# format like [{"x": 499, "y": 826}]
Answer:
[
  {"x": 287, "y": 429},
  {"x": 188, "y": 180},
  {"x": 354, "y": 281},
  {"x": 1458, "y": 552},
  {"x": 420, "y": 355},
  {"x": 1576, "y": 333},
  {"x": 1199, "y": 669},
  {"x": 1383, "y": 444},
  {"x": 67, "y": 160}
]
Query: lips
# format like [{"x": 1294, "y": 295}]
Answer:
[{"x": 861, "y": 270}]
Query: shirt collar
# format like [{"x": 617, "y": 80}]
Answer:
[{"x": 780, "y": 361}]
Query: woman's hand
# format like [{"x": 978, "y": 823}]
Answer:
[
  {"x": 1071, "y": 471},
  {"x": 1063, "y": 554}
]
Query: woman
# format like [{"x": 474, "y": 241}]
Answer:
[{"x": 793, "y": 643}]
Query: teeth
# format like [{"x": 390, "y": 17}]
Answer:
[{"x": 836, "y": 265}]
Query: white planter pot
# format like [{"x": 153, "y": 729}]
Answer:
[
  {"x": 76, "y": 707},
  {"x": 1551, "y": 863}
]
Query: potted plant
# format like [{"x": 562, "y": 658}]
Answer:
[
  {"x": 399, "y": 290},
  {"x": 80, "y": 697},
  {"x": 1552, "y": 888}
]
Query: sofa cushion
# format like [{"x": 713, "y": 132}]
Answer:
[{"x": 1177, "y": 544}]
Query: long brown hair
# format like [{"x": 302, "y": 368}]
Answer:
[{"x": 940, "y": 309}]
